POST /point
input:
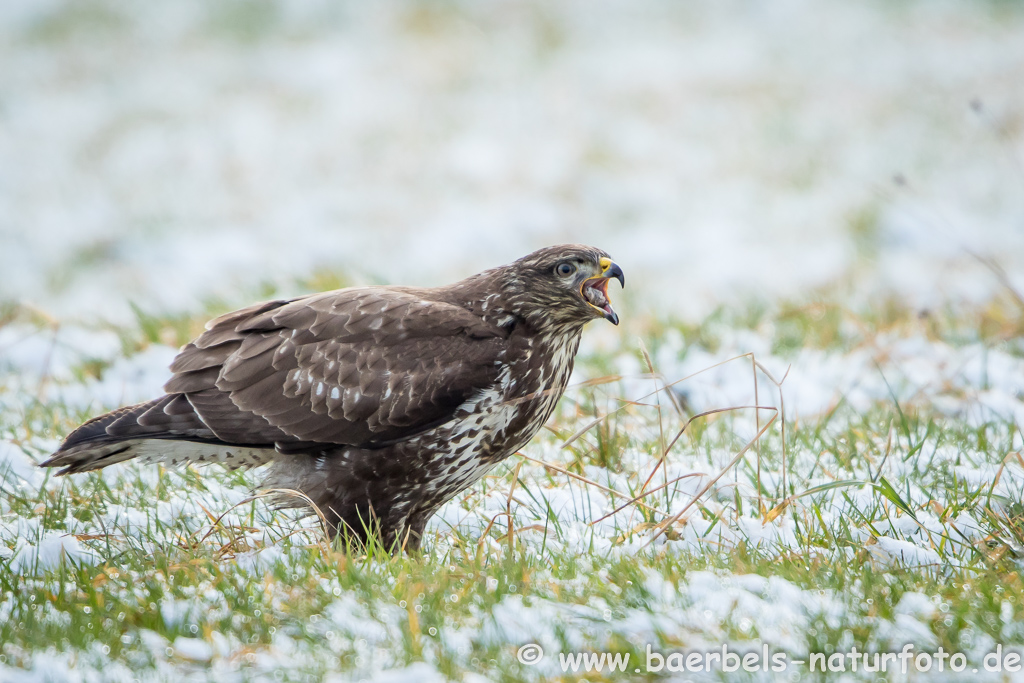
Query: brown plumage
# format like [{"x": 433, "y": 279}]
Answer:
[{"x": 378, "y": 403}]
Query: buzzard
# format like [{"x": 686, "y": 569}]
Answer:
[{"x": 377, "y": 403}]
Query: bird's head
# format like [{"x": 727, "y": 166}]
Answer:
[{"x": 565, "y": 285}]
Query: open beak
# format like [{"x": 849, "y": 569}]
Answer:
[{"x": 595, "y": 289}]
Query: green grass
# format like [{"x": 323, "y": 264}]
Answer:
[{"x": 184, "y": 568}]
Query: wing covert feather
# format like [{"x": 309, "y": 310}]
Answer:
[{"x": 355, "y": 366}]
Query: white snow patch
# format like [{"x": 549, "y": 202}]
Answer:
[
  {"x": 193, "y": 648},
  {"x": 17, "y": 468},
  {"x": 53, "y": 549},
  {"x": 893, "y": 551},
  {"x": 917, "y": 605}
]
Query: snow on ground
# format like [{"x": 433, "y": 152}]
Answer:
[
  {"x": 973, "y": 381},
  {"x": 177, "y": 151},
  {"x": 710, "y": 608}
]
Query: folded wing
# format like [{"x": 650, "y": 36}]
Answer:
[{"x": 361, "y": 367}]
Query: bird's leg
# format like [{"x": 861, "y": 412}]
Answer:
[
  {"x": 353, "y": 524},
  {"x": 413, "y": 534},
  {"x": 356, "y": 525}
]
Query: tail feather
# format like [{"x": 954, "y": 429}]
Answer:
[
  {"x": 166, "y": 429},
  {"x": 92, "y": 446}
]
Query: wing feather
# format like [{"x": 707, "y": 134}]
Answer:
[
  {"x": 231, "y": 425},
  {"x": 357, "y": 367},
  {"x": 195, "y": 380},
  {"x": 202, "y": 358}
]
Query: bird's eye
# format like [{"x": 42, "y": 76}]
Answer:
[{"x": 565, "y": 269}]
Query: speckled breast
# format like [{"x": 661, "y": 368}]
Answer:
[{"x": 498, "y": 421}]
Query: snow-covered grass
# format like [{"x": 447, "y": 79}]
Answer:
[
  {"x": 830, "y": 189},
  {"x": 898, "y": 519}
]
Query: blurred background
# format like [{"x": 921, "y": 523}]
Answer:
[{"x": 170, "y": 152}]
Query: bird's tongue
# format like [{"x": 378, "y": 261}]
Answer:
[{"x": 597, "y": 294}]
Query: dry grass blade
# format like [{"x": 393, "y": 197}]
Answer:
[
  {"x": 298, "y": 494},
  {"x": 625, "y": 405},
  {"x": 661, "y": 425},
  {"x": 487, "y": 529},
  {"x": 757, "y": 426},
  {"x": 774, "y": 513},
  {"x": 597, "y": 381},
  {"x": 888, "y": 449},
  {"x": 589, "y": 482},
  {"x": 782, "y": 411},
  {"x": 1000, "y": 274},
  {"x": 1002, "y": 466},
  {"x": 665, "y": 524},
  {"x": 757, "y": 403},
  {"x": 215, "y": 521},
  {"x": 679, "y": 434},
  {"x": 508, "y": 505},
  {"x": 756, "y": 440},
  {"x": 645, "y": 494}
]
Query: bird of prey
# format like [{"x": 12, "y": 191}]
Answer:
[{"x": 380, "y": 403}]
